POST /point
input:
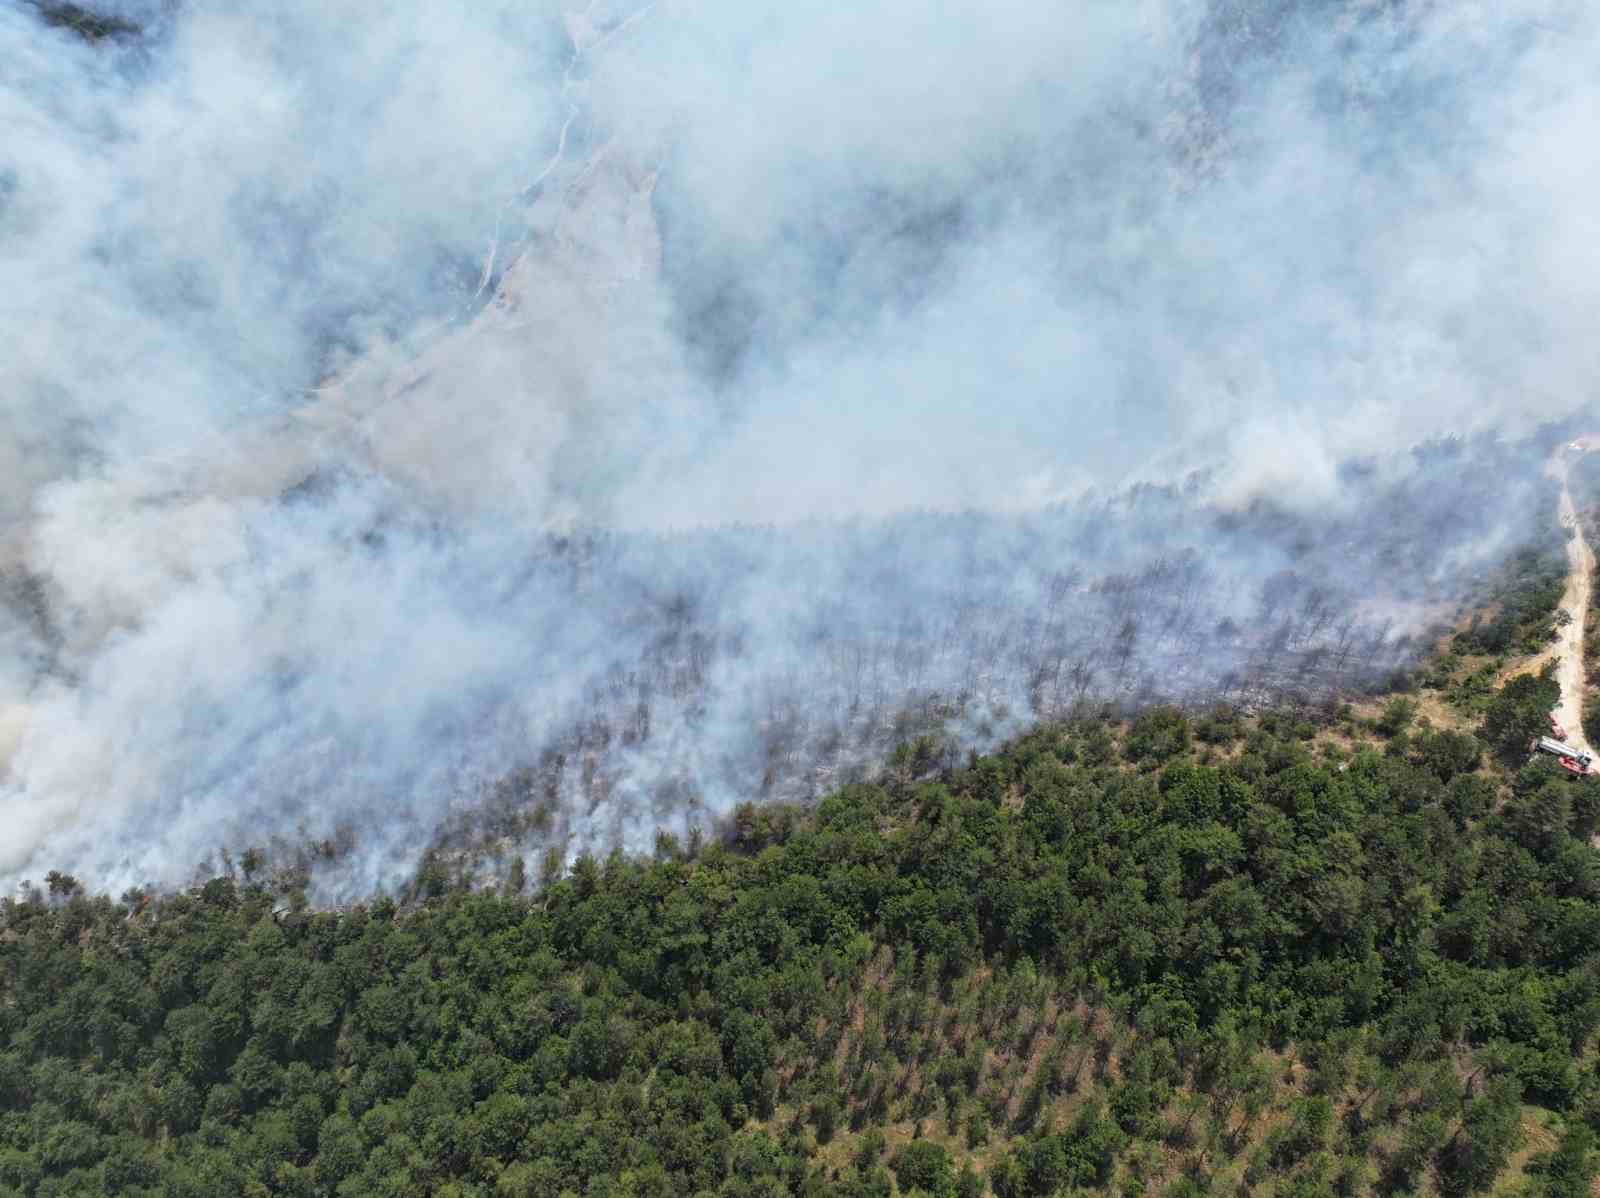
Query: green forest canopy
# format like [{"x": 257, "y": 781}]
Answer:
[{"x": 1236, "y": 956}]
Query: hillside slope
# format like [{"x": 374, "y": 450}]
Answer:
[{"x": 1158, "y": 957}]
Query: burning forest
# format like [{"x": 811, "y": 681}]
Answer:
[{"x": 523, "y": 432}]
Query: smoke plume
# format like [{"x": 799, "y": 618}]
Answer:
[{"x": 519, "y": 426}]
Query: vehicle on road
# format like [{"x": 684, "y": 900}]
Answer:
[{"x": 1572, "y": 759}]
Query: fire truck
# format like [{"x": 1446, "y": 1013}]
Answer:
[{"x": 1573, "y": 760}]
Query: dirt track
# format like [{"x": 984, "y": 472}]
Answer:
[{"x": 1575, "y": 601}]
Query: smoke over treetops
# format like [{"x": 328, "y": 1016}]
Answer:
[{"x": 532, "y": 427}]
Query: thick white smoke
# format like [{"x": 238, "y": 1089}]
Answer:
[{"x": 400, "y": 401}]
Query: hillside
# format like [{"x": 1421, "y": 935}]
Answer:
[
  {"x": 1228, "y": 956},
  {"x": 723, "y": 600}
]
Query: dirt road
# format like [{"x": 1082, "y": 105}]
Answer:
[{"x": 1575, "y": 602}]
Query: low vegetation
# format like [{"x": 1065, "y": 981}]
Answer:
[{"x": 1519, "y": 610}]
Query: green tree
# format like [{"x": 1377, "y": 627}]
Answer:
[
  {"x": 1520, "y": 711},
  {"x": 924, "y": 1165},
  {"x": 970, "y": 1184},
  {"x": 1158, "y": 735},
  {"x": 1448, "y": 754},
  {"x": 1570, "y": 1171},
  {"x": 1490, "y": 1130},
  {"x": 1397, "y": 715}
]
